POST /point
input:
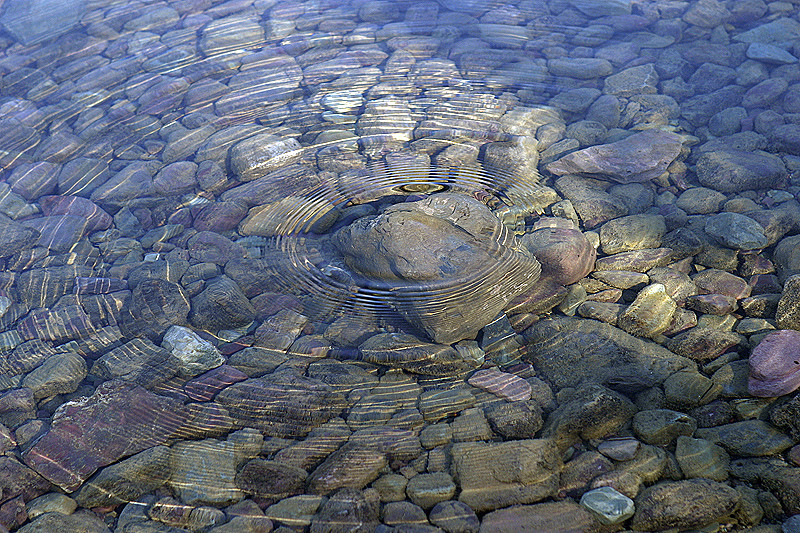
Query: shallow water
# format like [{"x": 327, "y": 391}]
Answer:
[{"x": 399, "y": 265}]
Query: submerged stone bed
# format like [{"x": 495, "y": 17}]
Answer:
[{"x": 400, "y": 266}]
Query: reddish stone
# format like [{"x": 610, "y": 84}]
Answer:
[
  {"x": 220, "y": 216},
  {"x": 542, "y": 297},
  {"x": 13, "y": 513},
  {"x": 566, "y": 254},
  {"x": 210, "y": 247},
  {"x": 507, "y": 386},
  {"x": 58, "y": 233},
  {"x": 118, "y": 420},
  {"x": 205, "y": 386},
  {"x": 711, "y": 304},
  {"x": 59, "y": 324},
  {"x": 775, "y": 364},
  {"x": 95, "y": 217},
  {"x": 713, "y": 281}
]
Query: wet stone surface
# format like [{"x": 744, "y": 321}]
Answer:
[{"x": 336, "y": 266}]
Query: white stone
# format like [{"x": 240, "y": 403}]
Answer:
[
  {"x": 610, "y": 506},
  {"x": 195, "y": 354}
]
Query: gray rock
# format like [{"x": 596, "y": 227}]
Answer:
[
  {"x": 454, "y": 517},
  {"x": 736, "y": 231},
  {"x": 699, "y": 458},
  {"x": 611, "y": 506},
  {"x": 592, "y": 203},
  {"x": 735, "y": 171},
  {"x": 787, "y": 314},
  {"x": 660, "y": 427},
  {"x": 348, "y": 510},
  {"x": 639, "y": 157},
  {"x": 747, "y": 438},
  {"x": 771, "y": 54},
  {"x": 650, "y": 314},
  {"x": 632, "y": 81},
  {"x": 700, "y": 201},
  {"x": 259, "y": 155},
  {"x": 83, "y": 521},
  {"x": 605, "y": 354},
  {"x": 595, "y": 8},
  {"x": 221, "y": 305},
  {"x": 38, "y": 20},
  {"x": 580, "y": 67},
  {"x": 463, "y": 242},
  {"x": 683, "y": 504},
  {"x": 495, "y": 475},
  {"x": 60, "y": 373},
  {"x": 632, "y": 232}
]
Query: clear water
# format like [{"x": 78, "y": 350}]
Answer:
[{"x": 243, "y": 153}]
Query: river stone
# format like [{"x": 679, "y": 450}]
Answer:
[
  {"x": 272, "y": 480},
  {"x": 569, "y": 351},
  {"x": 660, "y": 427},
  {"x": 507, "y": 386},
  {"x": 549, "y": 516},
  {"x": 593, "y": 412},
  {"x": 96, "y": 218},
  {"x": 155, "y": 305},
  {"x": 203, "y": 472},
  {"x": 632, "y": 232},
  {"x": 230, "y": 33},
  {"x": 39, "y": 20},
  {"x": 495, "y": 475},
  {"x": 82, "y": 521},
  {"x": 58, "y": 325},
  {"x": 566, "y": 255},
  {"x": 257, "y": 156},
  {"x": 454, "y": 517},
  {"x": 687, "y": 504},
  {"x": 348, "y": 510},
  {"x": 730, "y": 171},
  {"x": 702, "y": 343},
  {"x": 16, "y": 237},
  {"x": 118, "y": 420},
  {"x": 464, "y": 242},
  {"x": 282, "y": 405},
  {"x": 60, "y": 373},
  {"x": 775, "y": 364},
  {"x": 426, "y": 490},
  {"x": 787, "y": 315},
  {"x": 699, "y": 458},
  {"x": 638, "y": 80},
  {"x": 651, "y": 150},
  {"x": 220, "y": 216},
  {"x": 411, "y": 354},
  {"x": 749, "y": 438},
  {"x": 593, "y": 205},
  {"x": 611, "y": 506},
  {"x": 650, "y": 314},
  {"x": 126, "y": 480},
  {"x": 736, "y": 231},
  {"x": 351, "y": 466},
  {"x": 221, "y": 305},
  {"x": 194, "y": 355}
]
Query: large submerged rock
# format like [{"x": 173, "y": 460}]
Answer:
[{"x": 449, "y": 262}]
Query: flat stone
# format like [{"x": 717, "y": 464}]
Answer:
[
  {"x": 735, "y": 171},
  {"x": 699, "y": 458},
  {"x": 593, "y": 205},
  {"x": 749, "y": 438},
  {"x": 40, "y": 20},
  {"x": 702, "y": 343},
  {"x": 350, "y": 466},
  {"x": 685, "y": 504},
  {"x": 495, "y": 475},
  {"x": 504, "y": 385},
  {"x": 653, "y": 151},
  {"x": 349, "y": 510},
  {"x": 605, "y": 354},
  {"x": 549, "y": 516},
  {"x": 775, "y": 364},
  {"x": 58, "y": 374},
  {"x": 78, "y": 441},
  {"x": 641, "y": 79},
  {"x": 611, "y": 506}
]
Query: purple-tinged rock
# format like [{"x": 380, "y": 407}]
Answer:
[
  {"x": 32, "y": 180},
  {"x": 84, "y": 285},
  {"x": 566, "y": 255},
  {"x": 640, "y": 157},
  {"x": 58, "y": 233},
  {"x": 15, "y": 237},
  {"x": 96, "y": 218},
  {"x": 502, "y": 384},
  {"x": 210, "y": 247},
  {"x": 775, "y": 364},
  {"x": 220, "y": 216},
  {"x": 59, "y": 324},
  {"x": 205, "y": 386},
  {"x": 118, "y": 420}
]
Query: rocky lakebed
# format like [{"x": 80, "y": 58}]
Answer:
[{"x": 399, "y": 266}]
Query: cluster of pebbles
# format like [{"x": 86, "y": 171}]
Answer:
[{"x": 400, "y": 266}]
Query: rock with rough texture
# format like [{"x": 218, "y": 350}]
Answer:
[
  {"x": 685, "y": 504},
  {"x": 58, "y": 374},
  {"x": 569, "y": 351},
  {"x": 736, "y": 231},
  {"x": 464, "y": 245},
  {"x": 640, "y": 157},
  {"x": 749, "y": 438},
  {"x": 272, "y": 480},
  {"x": 221, "y": 305},
  {"x": 15, "y": 237},
  {"x": 632, "y": 232},
  {"x": 787, "y": 315},
  {"x": 83, "y": 521},
  {"x": 775, "y": 364},
  {"x": 454, "y": 517},
  {"x": 351, "y": 466},
  {"x": 155, "y": 305},
  {"x": 348, "y": 511},
  {"x": 194, "y": 355},
  {"x": 495, "y": 475},
  {"x": 735, "y": 171},
  {"x": 118, "y": 420}
]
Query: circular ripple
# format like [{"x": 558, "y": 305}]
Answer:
[{"x": 316, "y": 272}]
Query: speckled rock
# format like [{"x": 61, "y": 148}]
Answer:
[
  {"x": 736, "y": 231},
  {"x": 700, "y": 201},
  {"x": 683, "y": 504},
  {"x": 787, "y": 315},
  {"x": 703, "y": 343}
]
